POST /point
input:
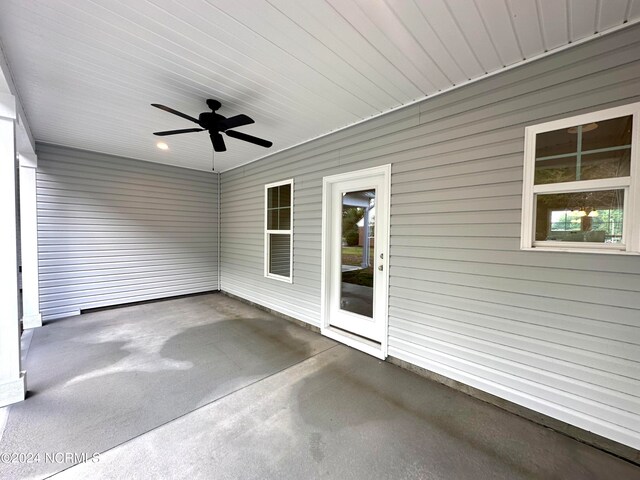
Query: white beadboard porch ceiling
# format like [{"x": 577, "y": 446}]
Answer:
[{"x": 87, "y": 71}]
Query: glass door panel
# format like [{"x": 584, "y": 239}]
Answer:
[{"x": 358, "y": 252}]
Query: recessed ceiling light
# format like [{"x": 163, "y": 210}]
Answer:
[{"x": 162, "y": 146}]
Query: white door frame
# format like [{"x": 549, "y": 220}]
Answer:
[{"x": 383, "y": 204}]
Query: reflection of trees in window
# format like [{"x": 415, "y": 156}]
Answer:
[
  {"x": 585, "y": 152},
  {"x": 609, "y": 220},
  {"x": 597, "y": 211},
  {"x": 350, "y": 218},
  {"x": 565, "y": 221}
]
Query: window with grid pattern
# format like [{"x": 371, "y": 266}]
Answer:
[
  {"x": 581, "y": 185},
  {"x": 279, "y": 230}
]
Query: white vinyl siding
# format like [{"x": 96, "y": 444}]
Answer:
[
  {"x": 556, "y": 332},
  {"x": 113, "y": 230}
]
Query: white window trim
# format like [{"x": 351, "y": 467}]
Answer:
[
  {"x": 273, "y": 276},
  {"x": 631, "y": 186}
]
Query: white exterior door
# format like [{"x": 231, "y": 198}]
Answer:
[{"x": 355, "y": 258}]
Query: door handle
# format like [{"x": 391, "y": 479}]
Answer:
[{"x": 380, "y": 267}]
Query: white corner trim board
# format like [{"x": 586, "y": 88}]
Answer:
[
  {"x": 31, "y": 316},
  {"x": 12, "y": 379}
]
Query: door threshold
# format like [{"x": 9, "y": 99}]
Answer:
[{"x": 355, "y": 341}]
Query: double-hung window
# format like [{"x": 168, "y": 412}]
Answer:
[
  {"x": 582, "y": 183},
  {"x": 278, "y": 238}
]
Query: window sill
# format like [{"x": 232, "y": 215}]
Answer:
[
  {"x": 606, "y": 251},
  {"x": 279, "y": 278}
]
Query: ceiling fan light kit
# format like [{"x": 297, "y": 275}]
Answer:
[{"x": 215, "y": 124}]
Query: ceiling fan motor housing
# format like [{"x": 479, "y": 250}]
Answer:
[
  {"x": 213, "y": 104},
  {"x": 211, "y": 121}
]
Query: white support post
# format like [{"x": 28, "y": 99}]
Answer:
[
  {"x": 31, "y": 317},
  {"x": 12, "y": 378},
  {"x": 366, "y": 242}
]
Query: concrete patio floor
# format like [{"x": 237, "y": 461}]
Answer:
[{"x": 208, "y": 387}]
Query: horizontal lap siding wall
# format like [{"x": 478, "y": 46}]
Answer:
[
  {"x": 114, "y": 230},
  {"x": 555, "y": 332}
]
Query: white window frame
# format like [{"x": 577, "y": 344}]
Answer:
[
  {"x": 267, "y": 233},
  {"x": 631, "y": 186}
]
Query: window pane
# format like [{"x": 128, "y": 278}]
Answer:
[
  {"x": 580, "y": 217},
  {"x": 606, "y": 165},
  {"x": 272, "y": 219},
  {"x": 272, "y": 197},
  {"x": 607, "y": 133},
  {"x": 556, "y": 170},
  {"x": 566, "y": 221},
  {"x": 284, "y": 195},
  {"x": 593, "y": 166},
  {"x": 573, "y": 154},
  {"x": 358, "y": 219},
  {"x": 285, "y": 219},
  {"x": 279, "y": 254},
  {"x": 556, "y": 142}
]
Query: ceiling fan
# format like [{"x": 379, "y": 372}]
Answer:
[{"x": 215, "y": 124}]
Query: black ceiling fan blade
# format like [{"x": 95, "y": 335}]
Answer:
[
  {"x": 235, "y": 122},
  {"x": 218, "y": 142},
  {"x": 175, "y": 132},
  {"x": 175, "y": 112},
  {"x": 249, "y": 138}
]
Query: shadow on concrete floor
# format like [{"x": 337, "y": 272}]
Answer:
[
  {"x": 345, "y": 415},
  {"x": 207, "y": 387},
  {"x": 100, "y": 379}
]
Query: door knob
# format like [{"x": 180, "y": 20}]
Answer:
[{"x": 380, "y": 267}]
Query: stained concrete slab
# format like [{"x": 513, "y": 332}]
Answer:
[
  {"x": 207, "y": 387},
  {"x": 342, "y": 414},
  {"x": 100, "y": 379}
]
